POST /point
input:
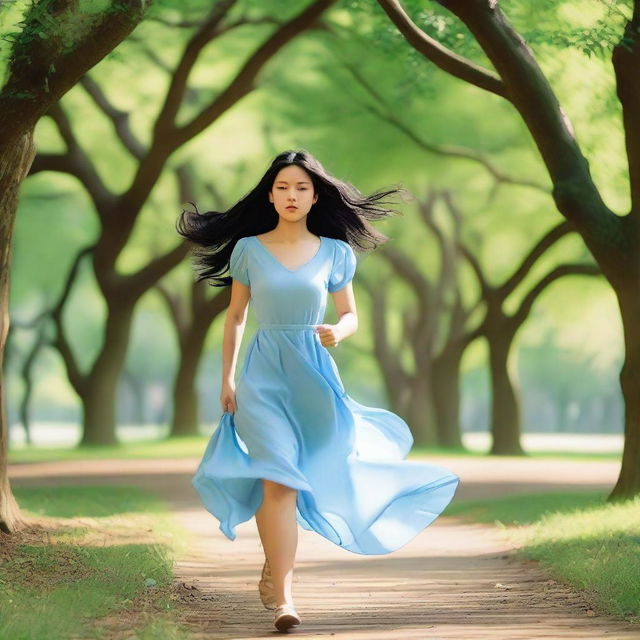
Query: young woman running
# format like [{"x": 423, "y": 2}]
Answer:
[{"x": 292, "y": 446}]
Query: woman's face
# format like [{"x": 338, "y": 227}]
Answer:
[{"x": 292, "y": 187}]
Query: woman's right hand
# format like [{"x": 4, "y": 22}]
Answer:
[{"x": 228, "y": 397}]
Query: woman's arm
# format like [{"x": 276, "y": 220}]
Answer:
[
  {"x": 234, "y": 324},
  {"x": 347, "y": 324}
]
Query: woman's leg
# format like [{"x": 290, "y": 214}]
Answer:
[{"x": 278, "y": 529}]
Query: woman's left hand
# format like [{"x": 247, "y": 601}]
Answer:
[{"x": 329, "y": 334}]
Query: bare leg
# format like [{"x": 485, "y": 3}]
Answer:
[{"x": 278, "y": 529}]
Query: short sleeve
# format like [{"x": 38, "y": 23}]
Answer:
[
  {"x": 239, "y": 262},
  {"x": 344, "y": 266}
]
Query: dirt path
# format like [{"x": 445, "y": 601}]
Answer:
[{"x": 454, "y": 580}]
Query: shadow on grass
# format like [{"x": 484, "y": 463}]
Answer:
[
  {"x": 525, "y": 508},
  {"x": 70, "y": 501},
  {"x": 99, "y": 556}
]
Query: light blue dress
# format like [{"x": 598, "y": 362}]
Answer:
[{"x": 296, "y": 425}]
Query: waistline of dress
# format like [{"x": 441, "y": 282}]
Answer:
[{"x": 274, "y": 326}]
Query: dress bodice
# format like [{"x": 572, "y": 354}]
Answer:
[{"x": 282, "y": 295}]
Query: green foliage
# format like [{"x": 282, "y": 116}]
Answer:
[
  {"x": 592, "y": 28},
  {"x": 307, "y": 98},
  {"x": 595, "y": 40}
]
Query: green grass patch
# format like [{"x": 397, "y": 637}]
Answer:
[
  {"x": 418, "y": 450},
  {"x": 102, "y": 553},
  {"x": 193, "y": 447},
  {"x": 186, "y": 447},
  {"x": 580, "y": 539},
  {"x": 89, "y": 501}
]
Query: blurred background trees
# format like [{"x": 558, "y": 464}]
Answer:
[{"x": 470, "y": 321}]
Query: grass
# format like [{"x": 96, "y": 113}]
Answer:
[
  {"x": 96, "y": 557},
  {"x": 193, "y": 447},
  {"x": 187, "y": 447},
  {"x": 461, "y": 451},
  {"x": 581, "y": 540}
]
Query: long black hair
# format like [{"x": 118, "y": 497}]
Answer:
[{"x": 341, "y": 211}]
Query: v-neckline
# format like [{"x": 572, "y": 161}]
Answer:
[{"x": 302, "y": 266}]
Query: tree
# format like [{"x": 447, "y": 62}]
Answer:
[
  {"x": 500, "y": 328},
  {"x": 497, "y": 327},
  {"x": 427, "y": 393},
  {"x": 118, "y": 212},
  {"x": 192, "y": 319},
  {"x": 613, "y": 240},
  {"x": 57, "y": 44}
]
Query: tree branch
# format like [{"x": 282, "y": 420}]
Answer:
[
  {"x": 207, "y": 31},
  {"x": 137, "y": 283},
  {"x": 626, "y": 64},
  {"x": 540, "y": 248},
  {"x": 394, "y": 374},
  {"x": 574, "y": 191},
  {"x": 438, "y": 54},
  {"x": 427, "y": 316},
  {"x": 243, "y": 81},
  {"x": 167, "y": 138},
  {"x": 232, "y": 24},
  {"x": 474, "y": 263},
  {"x": 177, "y": 310},
  {"x": 446, "y": 276},
  {"x": 558, "y": 272},
  {"x": 39, "y": 79},
  {"x": 75, "y": 162},
  {"x": 119, "y": 118},
  {"x": 77, "y": 379},
  {"x": 388, "y": 115}
]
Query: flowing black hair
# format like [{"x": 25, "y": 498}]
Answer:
[{"x": 341, "y": 211}]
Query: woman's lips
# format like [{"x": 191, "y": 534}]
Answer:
[{"x": 292, "y": 207}]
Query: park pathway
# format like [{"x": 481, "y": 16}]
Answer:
[{"x": 455, "y": 580}]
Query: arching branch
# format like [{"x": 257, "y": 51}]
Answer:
[
  {"x": 120, "y": 119},
  {"x": 540, "y": 248},
  {"x": 77, "y": 379},
  {"x": 75, "y": 162},
  {"x": 558, "y": 272},
  {"x": 444, "y": 58},
  {"x": 387, "y": 114}
]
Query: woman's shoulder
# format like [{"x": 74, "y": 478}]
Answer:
[
  {"x": 335, "y": 242},
  {"x": 343, "y": 248},
  {"x": 243, "y": 243}
]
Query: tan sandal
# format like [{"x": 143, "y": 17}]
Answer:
[
  {"x": 265, "y": 587},
  {"x": 286, "y": 617}
]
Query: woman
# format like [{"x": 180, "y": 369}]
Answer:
[{"x": 292, "y": 446}]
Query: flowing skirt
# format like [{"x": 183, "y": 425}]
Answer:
[{"x": 296, "y": 425}]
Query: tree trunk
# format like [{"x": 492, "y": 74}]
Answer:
[
  {"x": 136, "y": 391},
  {"x": 185, "y": 394},
  {"x": 15, "y": 162},
  {"x": 25, "y": 410},
  {"x": 100, "y": 399},
  {"x": 27, "y": 376},
  {"x": 446, "y": 397},
  {"x": 420, "y": 415},
  {"x": 505, "y": 405},
  {"x": 628, "y": 483}
]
